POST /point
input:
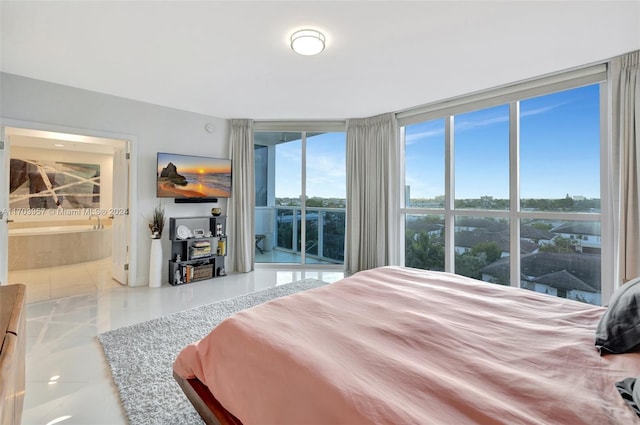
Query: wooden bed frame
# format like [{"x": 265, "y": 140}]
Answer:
[{"x": 206, "y": 405}]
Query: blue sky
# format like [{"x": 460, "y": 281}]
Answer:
[
  {"x": 326, "y": 173},
  {"x": 559, "y": 150}
]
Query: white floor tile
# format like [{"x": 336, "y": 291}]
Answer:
[
  {"x": 83, "y": 403},
  {"x": 73, "y": 360},
  {"x": 61, "y": 332}
]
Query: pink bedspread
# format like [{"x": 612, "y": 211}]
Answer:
[{"x": 405, "y": 346}]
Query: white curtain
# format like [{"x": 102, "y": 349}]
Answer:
[
  {"x": 241, "y": 207},
  {"x": 372, "y": 193},
  {"x": 625, "y": 111}
]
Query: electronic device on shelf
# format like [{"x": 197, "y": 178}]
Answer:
[{"x": 196, "y": 253}]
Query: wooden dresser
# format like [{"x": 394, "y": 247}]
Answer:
[{"x": 12, "y": 352}]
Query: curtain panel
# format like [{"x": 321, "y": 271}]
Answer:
[
  {"x": 372, "y": 193},
  {"x": 625, "y": 112},
  {"x": 241, "y": 207}
]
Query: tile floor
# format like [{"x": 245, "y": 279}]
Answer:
[
  {"x": 63, "y": 281},
  {"x": 68, "y": 379}
]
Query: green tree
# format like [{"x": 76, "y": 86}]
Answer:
[
  {"x": 469, "y": 265},
  {"x": 565, "y": 203},
  {"x": 560, "y": 245},
  {"x": 491, "y": 251},
  {"x": 424, "y": 251},
  {"x": 542, "y": 226},
  {"x": 315, "y": 202}
]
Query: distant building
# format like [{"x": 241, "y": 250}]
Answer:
[
  {"x": 573, "y": 276},
  {"x": 431, "y": 229},
  {"x": 584, "y": 235},
  {"x": 473, "y": 224},
  {"x": 466, "y": 240},
  {"x": 471, "y": 231},
  {"x": 537, "y": 236}
]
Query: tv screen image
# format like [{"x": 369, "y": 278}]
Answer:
[{"x": 186, "y": 176}]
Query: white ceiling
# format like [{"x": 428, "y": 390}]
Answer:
[{"x": 231, "y": 59}]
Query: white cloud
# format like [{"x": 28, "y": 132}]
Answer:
[
  {"x": 541, "y": 110},
  {"x": 414, "y": 137},
  {"x": 326, "y": 165}
]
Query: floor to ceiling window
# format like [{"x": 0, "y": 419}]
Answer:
[
  {"x": 300, "y": 196},
  {"x": 510, "y": 193}
]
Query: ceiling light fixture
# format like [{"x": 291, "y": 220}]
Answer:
[{"x": 307, "y": 42}]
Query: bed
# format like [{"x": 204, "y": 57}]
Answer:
[{"x": 398, "y": 345}]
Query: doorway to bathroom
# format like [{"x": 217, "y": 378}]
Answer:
[{"x": 68, "y": 212}]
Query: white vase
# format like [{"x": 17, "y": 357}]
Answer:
[{"x": 155, "y": 264}]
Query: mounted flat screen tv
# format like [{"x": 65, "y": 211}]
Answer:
[{"x": 186, "y": 177}]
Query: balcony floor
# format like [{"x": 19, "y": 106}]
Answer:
[{"x": 284, "y": 257}]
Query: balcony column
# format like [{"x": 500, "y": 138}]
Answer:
[
  {"x": 294, "y": 227},
  {"x": 320, "y": 233}
]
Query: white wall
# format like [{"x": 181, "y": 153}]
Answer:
[{"x": 154, "y": 128}]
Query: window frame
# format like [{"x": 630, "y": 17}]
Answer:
[
  {"x": 512, "y": 95},
  {"x": 302, "y": 127}
]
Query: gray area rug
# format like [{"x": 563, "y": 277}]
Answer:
[{"x": 141, "y": 356}]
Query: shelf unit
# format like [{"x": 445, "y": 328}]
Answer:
[{"x": 194, "y": 257}]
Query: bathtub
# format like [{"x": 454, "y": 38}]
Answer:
[
  {"x": 51, "y": 230},
  {"x": 57, "y": 245}
]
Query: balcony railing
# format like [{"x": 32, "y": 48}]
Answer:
[{"x": 324, "y": 234}]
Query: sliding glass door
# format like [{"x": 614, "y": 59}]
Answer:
[{"x": 300, "y": 197}]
